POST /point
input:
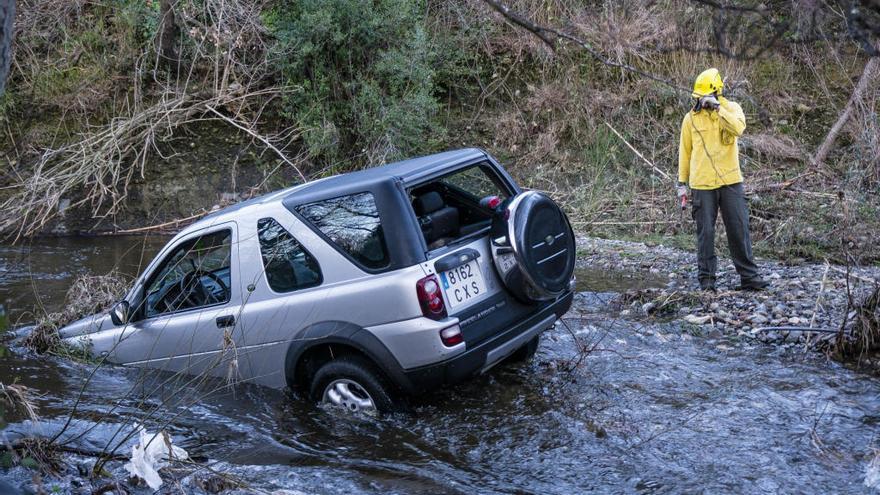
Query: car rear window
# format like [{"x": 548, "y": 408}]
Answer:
[
  {"x": 352, "y": 223},
  {"x": 451, "y": 207},
  {"x": 287, "y": 264}
]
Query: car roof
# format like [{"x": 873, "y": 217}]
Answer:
[{"x": 406, "y": 170}]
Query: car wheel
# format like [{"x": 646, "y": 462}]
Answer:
[
  {"x": 354, "y": 384},
  {"x": 526, "y": 352}
]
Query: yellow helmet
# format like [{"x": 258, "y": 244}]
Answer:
[{"x": 708, "y": 82}]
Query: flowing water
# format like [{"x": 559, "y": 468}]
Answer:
[{"x": 651, "y": 409}]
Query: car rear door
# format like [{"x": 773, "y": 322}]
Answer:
[{"x": 463, "y": 263}]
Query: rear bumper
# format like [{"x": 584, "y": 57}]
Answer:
[{"x": 487, "y": 354}]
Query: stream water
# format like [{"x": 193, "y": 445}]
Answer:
[{"x": 651, "y": 409}]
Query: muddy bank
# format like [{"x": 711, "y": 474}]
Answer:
[{"x": 653, "y": 407}]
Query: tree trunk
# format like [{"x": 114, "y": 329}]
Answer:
[
  {"x": 166, "y": 45},
  {"x": 861, "y": 87}
]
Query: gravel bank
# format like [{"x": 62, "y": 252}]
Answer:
[{"x": 804, "y": 295}]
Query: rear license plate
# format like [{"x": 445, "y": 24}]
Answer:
[{"x": 463, "y": 283}]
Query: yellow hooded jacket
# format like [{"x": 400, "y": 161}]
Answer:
[{"x": 708, "y": 157}]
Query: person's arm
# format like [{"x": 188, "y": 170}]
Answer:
[
  {"x": 684, "y": 151},
  {"x": 732, "y": 118}
]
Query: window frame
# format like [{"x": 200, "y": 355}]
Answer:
[
  {"x": 491, "y": 170},
  {"x": 302, "y": 246},
  {"x": 388, "y": 255},
  {"x": 141, "y": 313}
]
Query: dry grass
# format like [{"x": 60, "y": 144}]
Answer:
[
  {"x": 225, "y": 77},
  {"x": 19, "y": 398},
  {"x": 89, "y": 294},
  {"x": 860, "y": 333}
]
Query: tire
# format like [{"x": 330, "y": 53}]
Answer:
[
  {"x": 361, "y": 373},
  {"x": 7, "y": 26},
  {"x": 526, "y": 352},
  {"x": 533, "y": 247}
]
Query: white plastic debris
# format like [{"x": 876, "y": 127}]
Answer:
[
  {"x": 151, "y": 454},
  {"x": 872, "y": 474}
]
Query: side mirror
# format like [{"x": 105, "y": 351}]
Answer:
[{"x": 119, "y": 313}]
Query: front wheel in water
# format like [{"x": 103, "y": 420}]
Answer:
[{"x": 353, "y": 383}]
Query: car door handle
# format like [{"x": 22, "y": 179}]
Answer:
[{"x": 225, "y": 321}]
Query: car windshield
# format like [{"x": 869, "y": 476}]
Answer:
[{"x": 196, "y": 273}]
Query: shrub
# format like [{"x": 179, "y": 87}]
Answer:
[
  {"x": 88, "y": 295},
  {"x": 367, "y": 73}
]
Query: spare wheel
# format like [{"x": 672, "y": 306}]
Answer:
[{"x": 533, "y": 247}]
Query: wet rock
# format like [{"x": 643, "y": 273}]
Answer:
[
  {"x": 215, "y": 484},
  {"x": 697, "y": 320}
]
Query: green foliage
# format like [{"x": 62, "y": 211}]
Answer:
[{"x": 367, "y": 70}]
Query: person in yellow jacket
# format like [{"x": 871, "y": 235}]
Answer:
[{"x": 708, "y": 162}]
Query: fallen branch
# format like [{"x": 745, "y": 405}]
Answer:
[
  {"x": 262, "y": 140},
  {"x": 779, "y": 186},
  {"x": 646, "y": 222},
  {"x": 850, "y": 275},
  {"x": 860, "y": 89},
  {"x": 634, "y": 150},
  {"x": 173, "y": 224}
]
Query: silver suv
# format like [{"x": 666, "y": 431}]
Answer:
[{"x": 356, "y": 290}]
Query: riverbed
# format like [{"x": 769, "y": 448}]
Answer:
[{"x": 652, "y": 407}]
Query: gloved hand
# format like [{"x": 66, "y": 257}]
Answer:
[
  {"x": 681, "y": 190},
  {"x": 709, "y": 102},
  {"x": 682, "y": 193}
]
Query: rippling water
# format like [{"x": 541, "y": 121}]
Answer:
[{"x": 651, "y": 409}]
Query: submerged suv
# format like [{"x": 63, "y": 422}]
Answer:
[{"x": 358, "y": 289}]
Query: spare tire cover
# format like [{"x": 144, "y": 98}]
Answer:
[{"x": 533, "y": 247}]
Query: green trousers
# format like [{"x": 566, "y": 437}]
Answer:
[{"x": 735, "y": 214}]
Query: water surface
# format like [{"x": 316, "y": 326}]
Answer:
[{"x": 649, "y": 410}]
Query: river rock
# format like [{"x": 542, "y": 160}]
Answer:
[
  {"x": 697, "y": 320},
  {"x": 758, "y": 319}
]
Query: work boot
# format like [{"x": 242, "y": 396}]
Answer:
[
  {"x": 708, "y": 285},
  {"x": 753, "y": 284}
]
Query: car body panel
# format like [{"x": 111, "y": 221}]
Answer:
[{"x": 374, "y": 311}]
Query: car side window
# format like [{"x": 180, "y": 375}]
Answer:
[
  {"x": 195, "y": 274},
  {"x": 352, "y": 223},
  {"x": 287, "y": 264}
]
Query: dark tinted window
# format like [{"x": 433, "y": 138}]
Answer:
[
  {"x": 195, "y": 274},
  {"x": 352, "y": 223},
  {"x": 287, "y": 264}
]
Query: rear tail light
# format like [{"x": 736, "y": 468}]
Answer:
[
  {"x": 451, "y": 336},
  {"x": 431, "y": 297}
]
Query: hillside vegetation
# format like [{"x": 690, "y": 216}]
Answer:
[{"x": 130, "y": 113}]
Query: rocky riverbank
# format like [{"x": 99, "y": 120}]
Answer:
[{"x": 804, "y": 304}]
